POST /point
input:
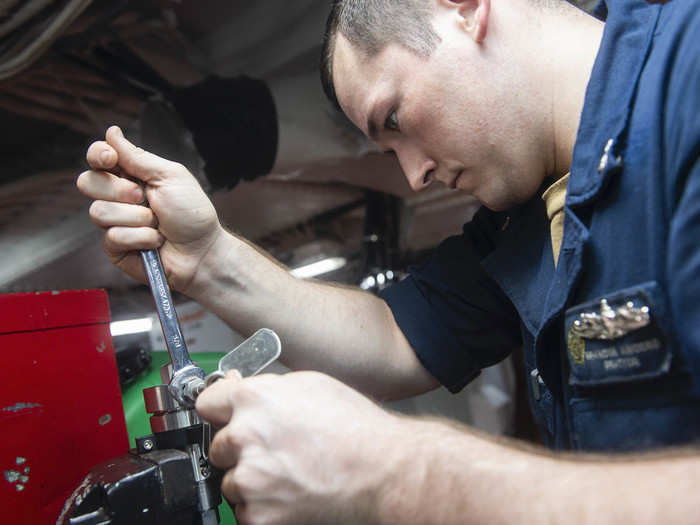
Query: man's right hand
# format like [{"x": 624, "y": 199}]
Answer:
[{"x": 181, "y": 220}]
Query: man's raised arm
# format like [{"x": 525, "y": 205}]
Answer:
[{"x": 337, "y": 330}]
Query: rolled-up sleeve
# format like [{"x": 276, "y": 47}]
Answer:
[{"x": 454, "y": 316}]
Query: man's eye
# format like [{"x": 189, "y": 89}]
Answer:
[{"x": 392, "y": 122}]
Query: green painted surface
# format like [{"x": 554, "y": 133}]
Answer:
[{"x": 137, "y": 420}]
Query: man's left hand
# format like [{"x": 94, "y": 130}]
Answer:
[{"x": 298, "y": 448}]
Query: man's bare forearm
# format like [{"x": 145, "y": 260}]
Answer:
[
  {"x": 444, "y": 474},
  {"x": 339, "y": 330}
]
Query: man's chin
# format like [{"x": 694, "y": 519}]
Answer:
[
  {"x": 499, "y": 201},
  {"x": 494, "y": 203}
]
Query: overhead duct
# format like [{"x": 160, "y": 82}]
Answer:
[
  {"x": 234, "y": 126},
  {"x": 233, "y": 121}
]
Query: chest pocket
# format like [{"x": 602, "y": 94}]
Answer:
[
  {"x": 618, "y": 338},
  {"x": 627, "y": 388}
]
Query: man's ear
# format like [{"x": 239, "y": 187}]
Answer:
[{"x": 474, "y": 16}]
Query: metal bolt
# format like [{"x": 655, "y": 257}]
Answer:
[
  {"x": 204, "y": 469},
  {"x": 148, "y": 444}
]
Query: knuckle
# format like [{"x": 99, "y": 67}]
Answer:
[
  {"x": 247, "y": 391},
  {"x": 238, "y": 483},
  {"x": 250, "y": 515},
  {"x": 146, "y": 216},
  {"x": 231, "y": 487},
  {"x": 212, "y": 403},
  {"x": 243, "y": 435},
  {"x": 230, "y": 439},
  {"x": 126, "y": 191},
  {"x": 254, "y": 513},
  {"x": 245, "y": 483},
  {"x": 180, "y": 170},
  {"x": 98, "y": 212},
  {"x": 245, "y": 394},
  {"x": 108, "y": 244},
  {"x": 111, "y": 240},
  {"x": 224, "y": 446},
  {"x": 244, "y": 515},
  {"x": 310, "y": 377},
  {"x": 132, "y": 159}
]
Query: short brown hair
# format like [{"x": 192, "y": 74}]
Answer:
[{"x": 369, "y": 25}]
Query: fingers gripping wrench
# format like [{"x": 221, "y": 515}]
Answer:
[{"x": 188, "y": 380}]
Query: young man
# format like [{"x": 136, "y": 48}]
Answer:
[{"x": 502, "y": 99}]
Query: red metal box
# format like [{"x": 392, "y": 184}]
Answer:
[{"x": 60, "y": 402}]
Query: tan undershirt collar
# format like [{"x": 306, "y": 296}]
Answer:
[{"x": 554, "y": 198}]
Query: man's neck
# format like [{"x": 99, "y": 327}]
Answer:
[{"x": 573, "y": 46}]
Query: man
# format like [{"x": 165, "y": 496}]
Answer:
[{"x": 487, "y": 97}]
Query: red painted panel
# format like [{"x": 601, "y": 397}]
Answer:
[
  {"x": 40, "y": 310},
  {"x": 60, "y": 402}
]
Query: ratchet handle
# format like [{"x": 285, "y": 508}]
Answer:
[{"x": 174, "y": 341}]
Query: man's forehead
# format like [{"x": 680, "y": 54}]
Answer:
[
  {"x": 347, "y": 78},
  {"x": 355, "y": 77}
]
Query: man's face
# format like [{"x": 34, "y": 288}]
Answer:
[{"x": 449, "y": 117}]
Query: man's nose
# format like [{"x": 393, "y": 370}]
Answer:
[{"x": 418, "y": 168}]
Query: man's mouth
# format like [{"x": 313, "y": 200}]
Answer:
[{"x": 453, "y": 184}]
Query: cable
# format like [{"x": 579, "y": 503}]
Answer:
[{"x": 16, "y": 63}]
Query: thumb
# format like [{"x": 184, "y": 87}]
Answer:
[
  {"x": 136, "y": 161},
  {"x": 215, "y": 403}
]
